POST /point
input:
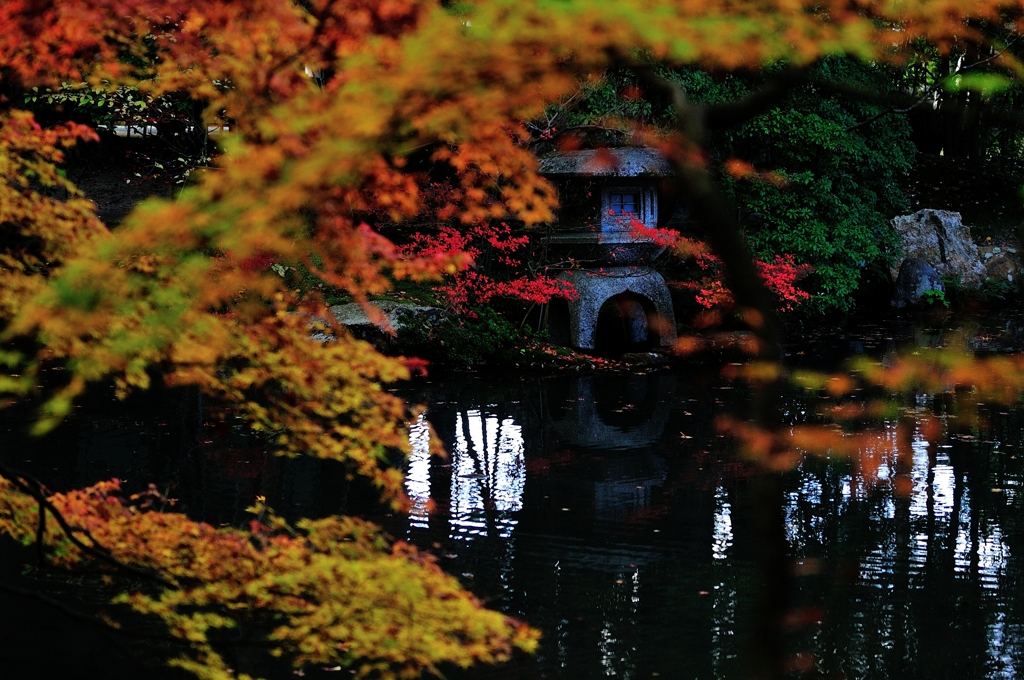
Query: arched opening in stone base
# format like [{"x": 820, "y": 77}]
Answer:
[{"x": 625, "y": 323}]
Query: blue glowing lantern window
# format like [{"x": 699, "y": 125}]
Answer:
[{"x": 622, "y": 204}]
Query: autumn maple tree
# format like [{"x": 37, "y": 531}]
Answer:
[
  {"x": 469, "y": 287},
  {"x": 309, "y": 163},
  {"x": 779, "y": 276}
]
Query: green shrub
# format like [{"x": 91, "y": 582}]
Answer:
[
  {"x": 934, "y": 298},
  {"x": 841, "y": 181},
  {"x": 456, "y": 340}
]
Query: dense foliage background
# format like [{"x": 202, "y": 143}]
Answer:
[{"x": 839, "y": 161}]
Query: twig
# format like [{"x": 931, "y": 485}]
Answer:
[
  {"x": 900, "y": 99},
  {"x": 56, "y": 604},
  {"x": 731, "y": 114},
  {"x": 40, "y": 536},
  {"x": 994, "y": 55},
  {"x": 36, "y": 490}
]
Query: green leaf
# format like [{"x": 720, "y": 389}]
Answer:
[{"x": 985, "y": 83}]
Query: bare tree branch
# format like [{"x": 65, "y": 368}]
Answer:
[
  {"x": 906, "y": 102},
  {"x": 108, "y": 627},
  {"x": 722, "y": 231},
  {"x": 771, "y": 94},
  {"x": 764, "y": 657},
  {"x": 105, "y": 628},
  {"x": 40, "y": 536}
]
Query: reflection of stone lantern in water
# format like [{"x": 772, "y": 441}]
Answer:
[
  {"x": 615, "y": 413},
  {"x": 622, "y": 303}
]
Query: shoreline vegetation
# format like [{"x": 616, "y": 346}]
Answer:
[{"x": 987, "y": 197}]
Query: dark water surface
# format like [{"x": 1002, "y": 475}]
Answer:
[{"x": 606, "y": 511}]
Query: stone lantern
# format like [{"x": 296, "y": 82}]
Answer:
[{"x": 606, "y": 195}]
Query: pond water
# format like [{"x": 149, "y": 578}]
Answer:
[{"x": 608, "y": 512}]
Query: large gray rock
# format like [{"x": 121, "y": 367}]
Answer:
[
  {"x": 916, "y": 277},
  {"x": 396, "y": 313},
  {"x": 353, "y": 315},
  {"x": 940, "y": 238},
  {"x": 1001, "y": 262}
]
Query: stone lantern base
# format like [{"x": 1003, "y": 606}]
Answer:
[{"x": 627, "y": 307}]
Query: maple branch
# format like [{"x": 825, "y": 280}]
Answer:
[{"x": 34, "y": 488}]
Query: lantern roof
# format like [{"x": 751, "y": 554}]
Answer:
[{"x": 620, "y": 162}]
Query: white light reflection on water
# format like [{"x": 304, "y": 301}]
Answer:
[
  {"x": 933, "y": 508},
  {"x": 1001, "y": 639},
  {"x": 609, "y": 658},
  {"x": 616, "y": 645},
  {"x": 722, "y": 537},
  {"x": 488, "y": 474},
  {"x": 942, "y": 486},
  {"x": 417, "y": 478},
  {"x": 724, "y": 593},
  {"x": 799, "y": 522},
  {"x": 940, "y": 515},
  {"x": 987, "y": 550}
]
